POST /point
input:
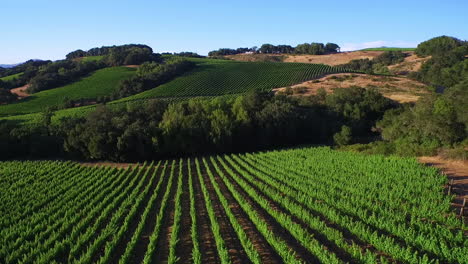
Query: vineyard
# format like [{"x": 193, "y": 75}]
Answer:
[
  {"x": 309, "y": 205},
  {"x": 217, "y": 77},
  {"x": 101, "y": 83},
  {"x": 210, "y": 78}
]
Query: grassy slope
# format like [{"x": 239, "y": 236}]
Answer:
[
  {"x": 213, "y": 78},
  {"x": 100, "y": 83},
  {"x": 389, "y": 49},
  {"x": 11, "y": 77}
]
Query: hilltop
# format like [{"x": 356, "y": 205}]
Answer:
[{"x": 411, "y": 63}]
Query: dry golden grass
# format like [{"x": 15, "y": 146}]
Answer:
[{"x": 400, "y": 89}]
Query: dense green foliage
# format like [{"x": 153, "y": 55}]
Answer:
[
  {"x": 306, "y": 48},
  {"x": 90, "y": 89},
  {"x": 218, "y": 77},
  {"x": 343, "y": 137},
  {"x": 390, "y": 58},
  {"x": 448, "y": 64},
  {"x": 142, "y": 131},
  {"x": 152, "y": 74},
  {"x": 123, "y": 51},
  {"x": 361, "y": 65},
  {"x": 306, "y": 205},
  {"x": 378, "y": 64},
  {"x": 438, "y": 46},
  {"x": 433, "y": 122},
  {"x": 226, "y": 51},
  {"x": 6, "y": 96}
]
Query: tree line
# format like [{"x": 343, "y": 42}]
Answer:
[
  {"x": 157, "y": 129},
  {"x": 107, "y": 50},
  {"x": 306, "y": 48}
]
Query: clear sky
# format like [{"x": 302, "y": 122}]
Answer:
[{"x": 49, "y": 29}]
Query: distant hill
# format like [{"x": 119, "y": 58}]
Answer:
[
  {"x": 9, "y": 65},
  {"x": 16, "y": 64}
]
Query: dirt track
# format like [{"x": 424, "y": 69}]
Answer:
[
  {"x": 21, "y": 91},
  {"x": 456, "y": 170}
]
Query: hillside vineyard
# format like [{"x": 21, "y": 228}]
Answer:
[
  {"x": 307, "y": 205},
  {"x": 213, "y": 78}
]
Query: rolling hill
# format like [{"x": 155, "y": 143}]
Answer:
[
  {"x": 219, "y": 77},
  {"x": 210, "y": 78},
  {"x": 10, "y": 77},
  {"x": 100, "y": 83}
]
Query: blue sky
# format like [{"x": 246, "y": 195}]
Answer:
[{"x": 50, "y": 29}]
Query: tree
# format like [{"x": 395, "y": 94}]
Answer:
[
  {"x": 221, "y": 129},
  {"x": 76, "y": 54},
  {"x": 332, "y": 48},
  {"x": 312, "y": 48},
  {"x": 390, "y": 57},
  {"x": 267, "y": 48},
  {"x": 343, "y": 137},
  {"x": 438, "y": 46},
  {"x": 46, "y": 119}
]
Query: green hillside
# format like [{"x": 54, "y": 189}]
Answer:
[
  {"x": 11, "y": 77},
  {"x": 217, "y": 77},
  {"x": 100, "y": 83},
  {"x": 210, "y": 78}
]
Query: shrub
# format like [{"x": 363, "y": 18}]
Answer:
[{"x": 343, "y": 137}]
